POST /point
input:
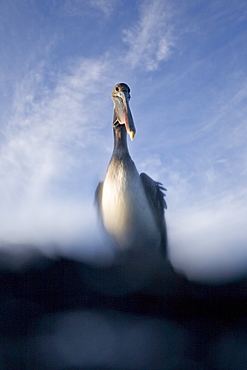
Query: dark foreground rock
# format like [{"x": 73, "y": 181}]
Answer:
[{"x": 62, "y": 314}]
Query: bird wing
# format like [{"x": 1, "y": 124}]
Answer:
[
  {"x": 98, "y": 198},
  {"x": 155, "y": 194}
]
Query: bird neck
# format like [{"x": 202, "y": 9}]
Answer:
[{"x": 120, "y": 141}]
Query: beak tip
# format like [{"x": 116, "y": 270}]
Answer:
[{"x": 132, "y": 135}]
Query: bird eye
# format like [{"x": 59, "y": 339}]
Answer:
[{"x": 117, "y": 89}]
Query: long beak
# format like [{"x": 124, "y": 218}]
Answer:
[{"x": 122, "y": 112}]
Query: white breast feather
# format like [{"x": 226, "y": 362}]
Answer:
[{"x": 126, "y": 212}]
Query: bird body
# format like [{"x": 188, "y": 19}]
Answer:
[
  {"x": 131, "y": 205},
  {"x": 126, "y": 212}
]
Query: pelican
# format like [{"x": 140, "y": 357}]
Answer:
[{"x": 131, "y": 206}]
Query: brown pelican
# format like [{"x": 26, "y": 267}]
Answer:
[{"x": 131, "y": 206}]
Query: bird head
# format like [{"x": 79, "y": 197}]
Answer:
[{"x": 122, "y": 113}]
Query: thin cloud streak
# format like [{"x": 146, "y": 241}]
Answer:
[
  {"x": 40, "y": 153},
  {"x": 150, "y": 41},
  {"x": 105, "y": 6}
]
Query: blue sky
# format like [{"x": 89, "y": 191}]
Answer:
[{"x": 186, "y": 65}]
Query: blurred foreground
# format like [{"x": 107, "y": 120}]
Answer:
[{"x": 136, "y": 314}]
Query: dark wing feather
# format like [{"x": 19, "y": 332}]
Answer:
[{"x": 155, "y": 195}]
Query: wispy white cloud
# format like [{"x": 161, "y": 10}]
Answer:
[
  {"x": 75, "y": 8},
  {"x": 45, "y": 147},
  {"x": 105, "y": 6},
  {"x": 150, "y": 40}
]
